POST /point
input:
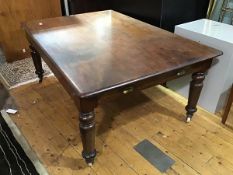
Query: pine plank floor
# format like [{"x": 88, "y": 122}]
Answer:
[{"x": 49, "y": 121}]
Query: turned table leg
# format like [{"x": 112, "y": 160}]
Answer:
[
  {"x": 37, "y": 63},
  {"x": 87, "y": 130},
  {"x": 194, "y": 94}
]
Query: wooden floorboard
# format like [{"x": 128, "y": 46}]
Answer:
[{"x": 49, "y": 121}]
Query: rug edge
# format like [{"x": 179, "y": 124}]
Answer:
[
  {"x": 24, "y": 144},
  {"x": 30, "y": 81}
]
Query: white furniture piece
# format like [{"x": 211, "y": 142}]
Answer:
[{"x": 219, "y": 81}]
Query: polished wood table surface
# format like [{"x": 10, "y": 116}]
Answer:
[{"x": 103, "y": 53}]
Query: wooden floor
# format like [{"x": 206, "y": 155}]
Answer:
[{"x": 49, "y": 121}]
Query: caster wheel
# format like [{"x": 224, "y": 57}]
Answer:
[
  {"x": 90, "y": 164},
  {"x": 188, "y": 119}
]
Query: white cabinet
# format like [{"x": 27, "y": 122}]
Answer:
[{"x": 220, "y": 77}]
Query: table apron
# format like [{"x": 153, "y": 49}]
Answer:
[{"x": 158, "y": 79}]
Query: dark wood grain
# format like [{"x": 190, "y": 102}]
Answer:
[
  {"x": 37, "y": 63},
  {"x": 107, "y": 49},
  {"x": 103, "y": 53},
  {"x": 87, "y": 130},
  {"x": 196, "y": 86}
]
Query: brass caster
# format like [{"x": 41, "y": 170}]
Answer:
[
  {"x": 188, "y": 119},
  {"x": 90, "y": 164}
]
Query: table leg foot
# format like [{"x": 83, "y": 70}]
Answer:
[
  {"x": 37, "y": 63},
  {"x": 40, "y": 77},
  {"x": 189, "y": 114},
  {"x": 194, "y": 94},
  {"x": 89, "y": 158},
  {"x": 188, "y": 119}
]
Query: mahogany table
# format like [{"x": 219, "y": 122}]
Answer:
[{"x": 102, "y": 53}]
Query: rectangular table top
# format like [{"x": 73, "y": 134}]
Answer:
[{"x": 99, "y": 50}]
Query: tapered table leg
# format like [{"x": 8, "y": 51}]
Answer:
[
  {"x": 37, "y": 63},
  {"x": 194, "y": 94},
  {"x": 87, "y": 130}
]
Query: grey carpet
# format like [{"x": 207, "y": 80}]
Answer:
[{"x": 19, "y": 72}]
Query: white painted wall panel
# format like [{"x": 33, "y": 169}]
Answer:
[{"x": 220, "y": 76}]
